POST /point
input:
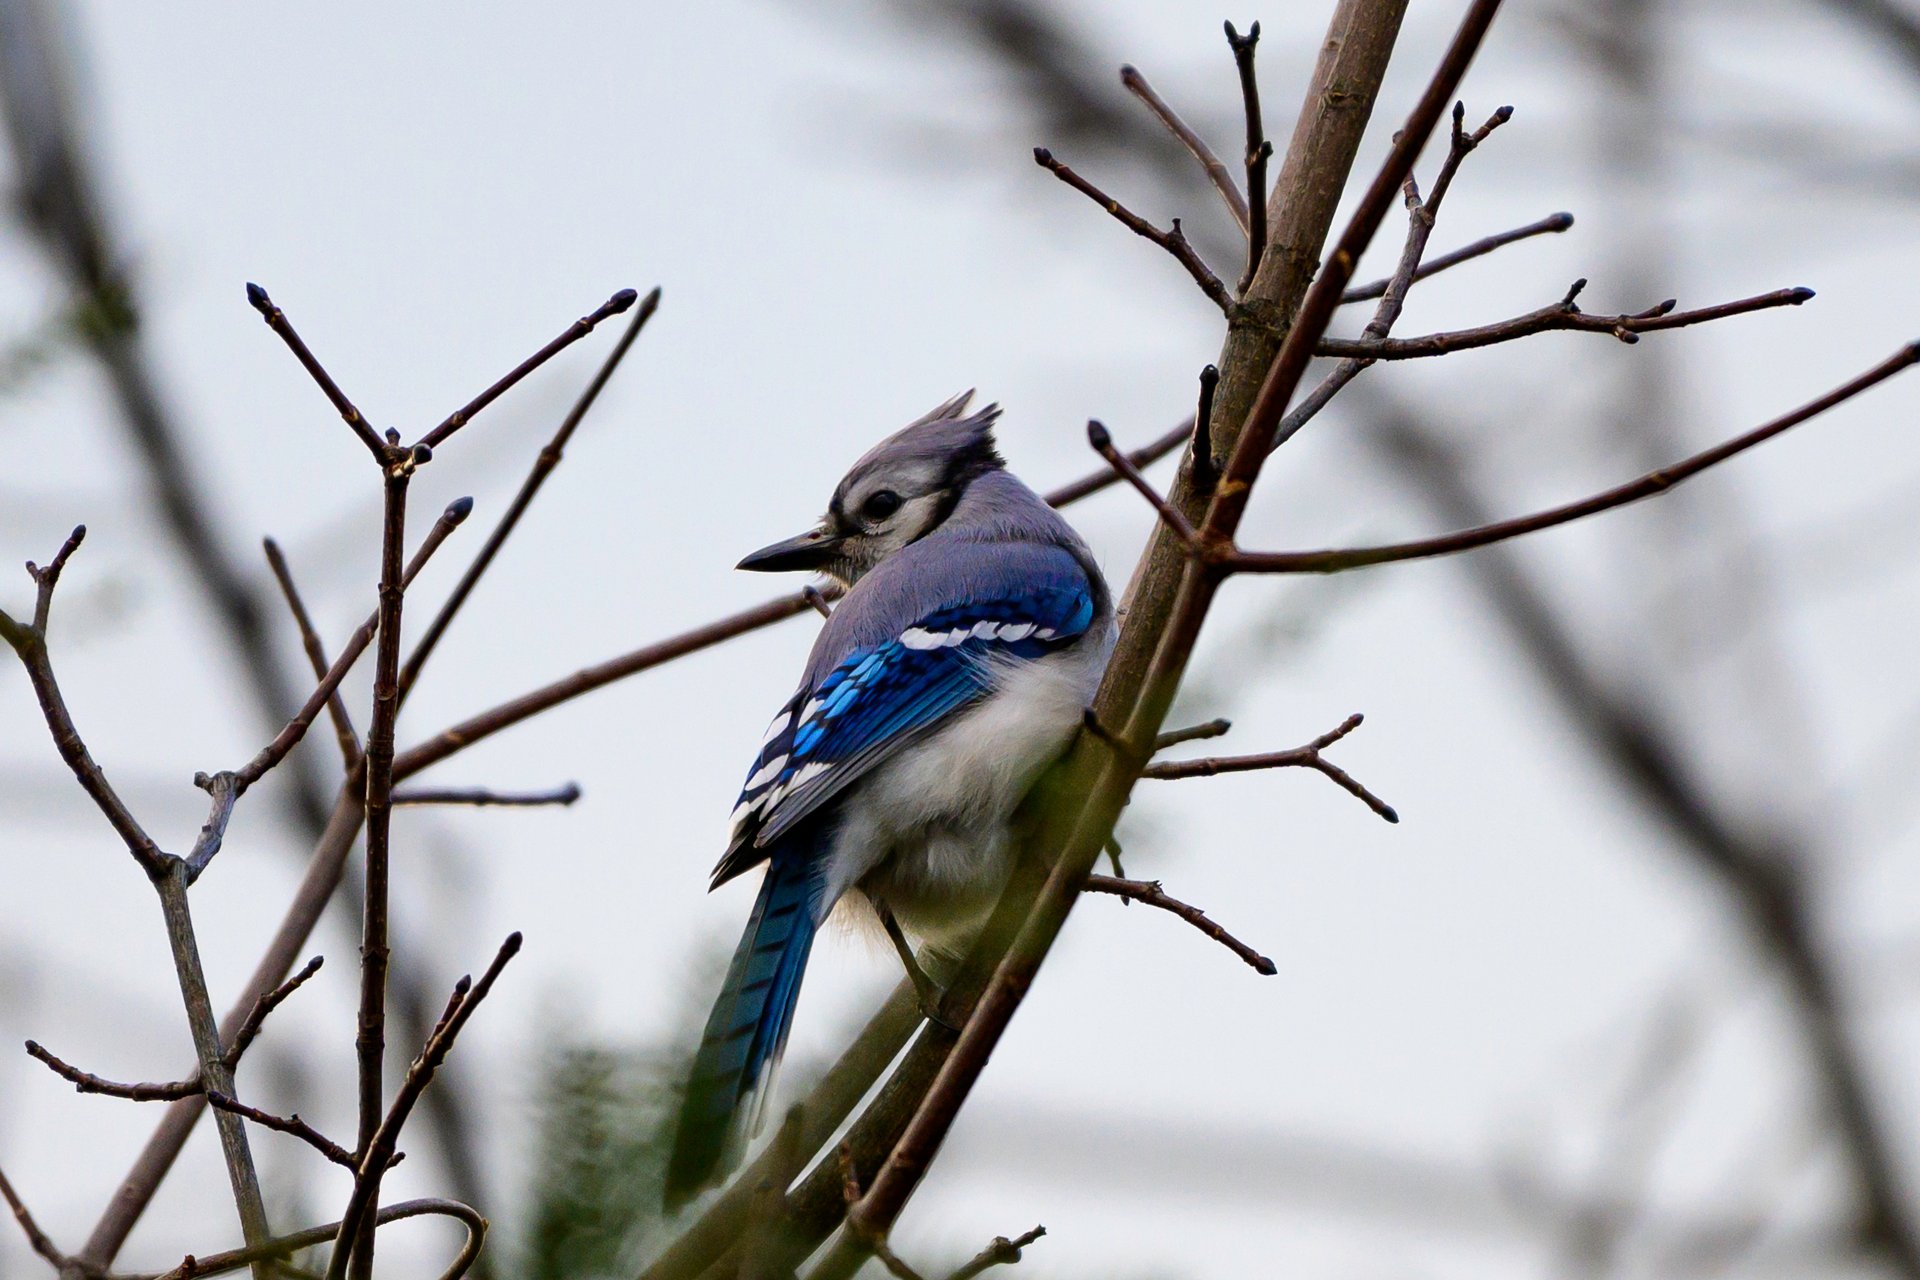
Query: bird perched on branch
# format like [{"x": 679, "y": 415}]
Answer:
[{"x": 972, "y": 636}]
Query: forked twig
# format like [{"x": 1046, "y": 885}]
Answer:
[{"x": 1307, "y": 757}]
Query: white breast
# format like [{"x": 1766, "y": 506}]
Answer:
[{"x": 926, "y": 832}]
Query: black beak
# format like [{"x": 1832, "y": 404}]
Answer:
[{"x": 812, "y": 550}]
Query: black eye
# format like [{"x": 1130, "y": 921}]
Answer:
[{"x": 881, "y": 504}]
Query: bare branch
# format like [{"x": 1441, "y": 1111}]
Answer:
[
  {"x": 1150, "y": 892},
  {"x": 1549, "y": 225},
  {"x": 291, "y": 1124},
  {"x": 286, "y": 1246},
  {"x": 1002, "y": 1252},
  {"x": 266, "y": 1004},
  {"x": 543, "y": 464},
  {"x": 310, "y": 640},
  {"x": 277, "y": 321},
  {"x": 30, "y": 643},
  {"x": 38, "y": 1240},
  {"x": 1307, "y": 757},
  {"x": 1653, "y": 482},
  {"x": 1205, "y": 467},
  {"x": 1173, "y": 241},
  {"x": 1102, "y": 441},
  {"x": 481, "y": 797},
  {"x": 1216, "y": 170},
  {"x": 1145, "y": 455},
  {"x": 375, "y": 955},
  {"x": 289, "y": 737},
  {"x": 1174, "y": 737},
  {"x": 574, "y": 332},
  {"x": 377, "y": 1152},
  {"x": 1564, "y": 314},
  {"x": 87, "y": 1082},
  {"x": 1259, "y": 150}
]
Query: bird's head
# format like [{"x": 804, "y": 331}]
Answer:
[{"x": 897, "y": 494}]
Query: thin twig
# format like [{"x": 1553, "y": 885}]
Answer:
[
  {"x": 1549, "y": 225},
  {"x": 316, "y": 650},
  {"x": 290, "y": 1124},
  {"x": 1652, "y": 483},
  {"x": 1002, "y": 1252},
  {"x": 1174, "y": 241},
  {"x": 277, "y": 321},
  {"x": 377, "y": 1152},
  {"x": 38, "y": 1240},
  {"x": 257, "y": 1016},
  {"x": 1206, "y": 467},
  {"x": 29, "y": 641},
  {"x": 1393, "y": 295},
  {"x": 1217, "y": 172},
  {"x": 1106, "y": 477},
  {"x": 286, "y": 1246},
  {"x": 1307, "y": 757},
  {"x": 1150, "y": 893},
  {"x": 1564, "y": 314},
  {"x": 1258, "y": 148},
  {"x": 1102, "y": 441},
  {"x": 543, "y": 465},
  {"x": 1174, "y": 737},
  {"x": 87, "y": 1082},
  {"x": 574, "y": 332},
  {"x": 289, "y": 737},
  {"x": 482, "y": 797}
]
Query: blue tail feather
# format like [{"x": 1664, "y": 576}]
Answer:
[{"x": 747, "y": 1031}]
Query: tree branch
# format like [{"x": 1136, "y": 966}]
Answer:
[
  {"x": 343, "y": 730},
  {"x": 277, "y": 321},
  {"x": 1258, "y": 148},
  {"x": 1217, "y": 173},
  {"x": 1653, "y": 482},
  {"x": 1307, "y": 757},
  {"x": 1552, "y": 224},
  {"x": 1174, "y": 241},
  {"x": 543, "y": 465},
  {"x": 481, "y": 797},
  {"x": 579, "y": 329},
  {"x": 1150, "y": 893},
  {"x": 1564, "y": 314},
  {"x": 376, "y": 1153},
  {"x": 291, "y": 1124}
]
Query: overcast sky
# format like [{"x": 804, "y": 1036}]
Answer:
[{"x": 848, "y": 229}]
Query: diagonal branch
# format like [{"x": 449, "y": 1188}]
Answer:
[
  {"x": 277, "y": 321},
  {"x": 1549, "y": 225},
  {"x": 1173, "y": 241},
  {"x": 377, "y": 1152},
  {"x": 1564, "y": 314},
  {"x": 87, "y": 1082},
  {"x": 1150, "y": 893},
  {"x": 543, "y": 465},
  {"x": 579, "y": 329},
  {"x": 316, "y": 651},
  {"x": 1654, "y": 482},
  {"x": 1217, "y": 172},
  {"x": 291, "y": 1124},
  {"x": 1002, "y": 1252}
]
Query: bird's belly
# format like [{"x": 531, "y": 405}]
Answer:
[{"x": 926, "y": 834}]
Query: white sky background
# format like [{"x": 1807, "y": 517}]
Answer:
[{"x": 848, "y": 229}]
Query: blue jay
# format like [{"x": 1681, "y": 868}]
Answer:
[{"x": 971, "y": 639}]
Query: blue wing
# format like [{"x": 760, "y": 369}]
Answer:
[{"x": 882, "y": 696}]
